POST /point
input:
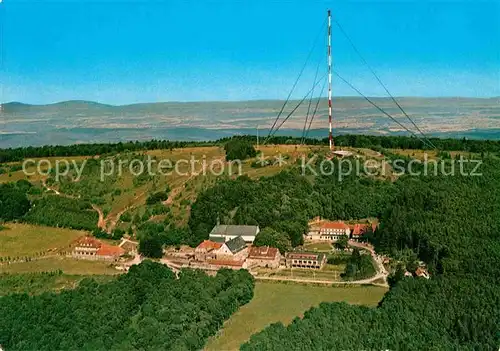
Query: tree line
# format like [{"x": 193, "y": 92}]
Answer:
[
  {"x": 146, "y": 309},
  {"x": 352, "y": 140}
]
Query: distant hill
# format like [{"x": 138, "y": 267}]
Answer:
[
  {"x": 17, "y": 107},
  {"x": 78, "y": 121}
]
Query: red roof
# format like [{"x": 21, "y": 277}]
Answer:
[
  {"x": 209, "y": 245},
  {"x": 88, "y": 241},
  {"x": 110, "y": 250},
  {"x": 303, "y": 255},
  {"x": 226, "y": 263},
  {"x": 361, "y": 228},
  {"x": 334, "y": 225},
  {"x": 262, "y": 253}
]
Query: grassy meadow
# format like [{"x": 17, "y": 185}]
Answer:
[
  {"x": 18, "y": 239},
  {"x": 278, "y": 302},
  {"x": 67, "y": 265}
]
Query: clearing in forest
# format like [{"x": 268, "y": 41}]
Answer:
[{"x": 277, "y": 302}]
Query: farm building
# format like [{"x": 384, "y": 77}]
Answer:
[
  {"x": 235, "y": 249},
  {"x": 223, "y": 232},
  {"x": 90, "y": 248},
  {"x": 207, "y": 249},
  {"x": 309, "y": 260},
  {"x": 360, "y": 229},
  {"x": 264, "y": 256}
]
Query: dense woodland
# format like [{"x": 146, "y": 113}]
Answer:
[
  {"x": 287, "y": 201},
  {"x": 453, "y": 224},
  {"x": 368, "y": 141},
  {"x": 14, "y": 201},
  {"x": 146, "y": 309}
]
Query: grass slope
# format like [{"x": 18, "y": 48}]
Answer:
[
  {"x": 283, "y": 302},
  {"x": 67, "y": 265},
  {"x": 18, "y": 239}
]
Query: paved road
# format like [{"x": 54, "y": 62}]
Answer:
[
  {"x": 327, "y": 282},
  {"x": 381, "y": 271}
]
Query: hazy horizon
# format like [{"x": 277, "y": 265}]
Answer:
[
  {"x": 248, "y": 100},
  {"x": 83, "y": 121}
]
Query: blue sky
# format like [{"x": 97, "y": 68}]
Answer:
[{"x": 145, "y": 51}]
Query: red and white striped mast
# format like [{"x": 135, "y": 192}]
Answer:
[{"x": 330, "y": 138}]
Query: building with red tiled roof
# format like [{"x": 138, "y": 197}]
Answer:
[
  {"x": 206, "y": 250},
  {"x": 333, "y": 231},
  {"x": 360, "y": 229},
  {"x": 89, "y": 248},
  {"x": 86, "y": 247},
  {"x": 227, "y": 263},
  {"x": 109, "y": 252},
  {"x": 264, "y": 256}
]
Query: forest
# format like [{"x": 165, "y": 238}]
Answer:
[
  {"x": 353, "y": 140},
  {"x": 287, "y": 201},
  {"x": 453, "y": 224},
  {"x": 145, "y": 309}
]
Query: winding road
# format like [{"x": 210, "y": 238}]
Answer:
[{"x": 381, "y": 272}]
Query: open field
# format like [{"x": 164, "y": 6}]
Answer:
[
  {"x": 67, "y": 265},
  {"x": 429, "y": 154},
  {"x": 31, "y": 168},
  {"x": 36, "y": 283},
  {"x": 282, "y": 303},
  {"x": 324, "y": 247},
  {"x": 18, "y": 239}
]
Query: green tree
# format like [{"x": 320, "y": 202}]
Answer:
[
  {"x": 151, "y": 246},
  {"x": 273, "y": 238},
  {"x": 342, "y": 243},
  {"x": 239, "y": 149},
  {"x": 13, "y": 201}
]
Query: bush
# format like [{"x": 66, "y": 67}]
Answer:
[
  {"x": 160, "y": 196},
  {"x": 238, "y": 149},
  {"x": 14, "y": 203},
  {"x": 151, "y": 246}
]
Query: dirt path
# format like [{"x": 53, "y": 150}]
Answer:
[
  {"x": 111, "y": 220},
  {"x": 381, "y": 271},
  {"x": 100, "y": 222},
  {"x": 44, "y": 183},
  {"x": 323, "y": 281}
]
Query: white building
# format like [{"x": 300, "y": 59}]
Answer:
[
  {"x": 223, "y": 233},
  {"x": 235, "y": 249},
  {"x": 333, "y": 231},
  {"x": 328, "y": 231}
]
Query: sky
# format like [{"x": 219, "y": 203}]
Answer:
[{"x": 122, "y": 52}]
